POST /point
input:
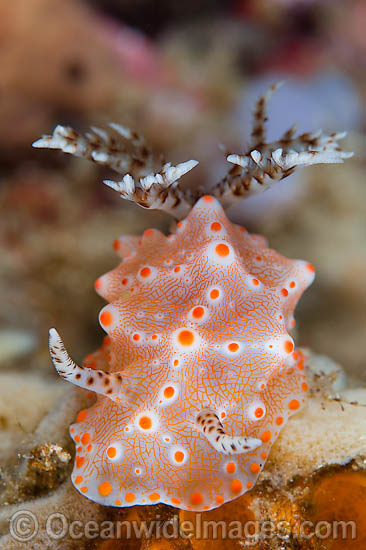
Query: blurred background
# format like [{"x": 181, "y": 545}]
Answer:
[{"x": 185, "y": 74}]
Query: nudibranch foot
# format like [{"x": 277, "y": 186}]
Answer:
[
  {"x": 98, "y": 381},
  {"x": 213, "y": 430}
]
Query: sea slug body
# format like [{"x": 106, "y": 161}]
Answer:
[{"x": 198, "y": 372}]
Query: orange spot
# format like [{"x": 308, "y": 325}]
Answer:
[
  {"x": 89, "y": 448},
  {"x": 154, "y": 496},
  {"x": 97, "y": 284},
  {"x": 284, "y": 292},
  {"x": 236, "y": 486},
  {"x": 79, "y": 449},
  {"x": 233, "y": 347},
  {"x": 154, "y": 337},
  {"x": 175, "y": 362},
  {"x": 186, "y": 338},
  {"x": 264, "y": 456},
  {"x": 177, "y": 269},
  {"x": 230, "y": 467},
  {"x": 196, "y": 498},
  {"x": 255, "y": 468},
  {"x": 259, "y": 412},
  {"x": 111, "y": 452},
  {"x": 179, "y": 224},
  {"x": 198, "y": 312},
  {"x": 179, "y": 456},
  {"x": 294, "y": 404},
  {"x": 116, "y": 244},
  {"x": 78, "y": 479},
  {"x": 84, "y": 489},
  {"x": 117, "y": 502},
  {"x": 255, "y": 282},
  {"x": 79, "y": 461},
  {"x": 310, "y": 267},
  {"x": 301, "y": 365},
  {"x": 145, "y": 272},
  {"x": 207, "y": 198},
  {"x": 279, "y": 420},
  {"x": 304, "y": 386},
  {"x": 220, "y": 499},
  {"x": 292, "y": 284},
  {"x": 130, "y": 497},
  {"x": 148, "y": 232},
  {"x": 85, "y": 438},
  {"x": 81, "y": 416},
  {"x": 136, "y": 337},
  {"x": 242, "y": 229},
  {"x": 169, "y": 392},
  {"x": 295, "y": 356},
  {"x": 266, "y": 436},
  {"x": 215, "y": 226},
  {"x": 105, "y": 489},
  {"x": 222, "y": 250},
  {"x": 124, "y": 281},
  {"x": 223, "y": 414},
  {"x": 72, "y": 430},
  {"x": 145, "y": 422},
  {"x": 289, "y": 346},
  {"x": 214, "y": 294},
  {"x": 175, "y": 500},
  {"x": 106, "y": 318},
  {"x": 77, "y": 438},
  {"x": 249, "y": 485}
]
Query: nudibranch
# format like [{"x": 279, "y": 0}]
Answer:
[{"x": 198, "y": 372}]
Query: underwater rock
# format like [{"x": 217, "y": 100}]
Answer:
[{"x": 24, "y": 400}]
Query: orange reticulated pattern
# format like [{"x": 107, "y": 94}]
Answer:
[{"x": 195, "y": 320}]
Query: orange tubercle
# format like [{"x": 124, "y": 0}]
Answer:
[
  {"x": 106, "y": 318},
  {"x": 294, "y": 404},
  {"x": 222, "y": 250},
  {"x": 197, "y": 498},
  {"x": 255, "y": 468},
  {"x": 236, "y": 486},
  {"x": 186, "y": 337},
  {"x": 105, "y": 489},
  {"x": 145, "y": 423}
]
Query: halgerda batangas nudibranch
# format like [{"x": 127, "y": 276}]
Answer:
[{"x": 198, "y": 372}]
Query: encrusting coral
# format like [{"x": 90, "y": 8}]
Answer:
[{"x": 198, "y": 373}]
